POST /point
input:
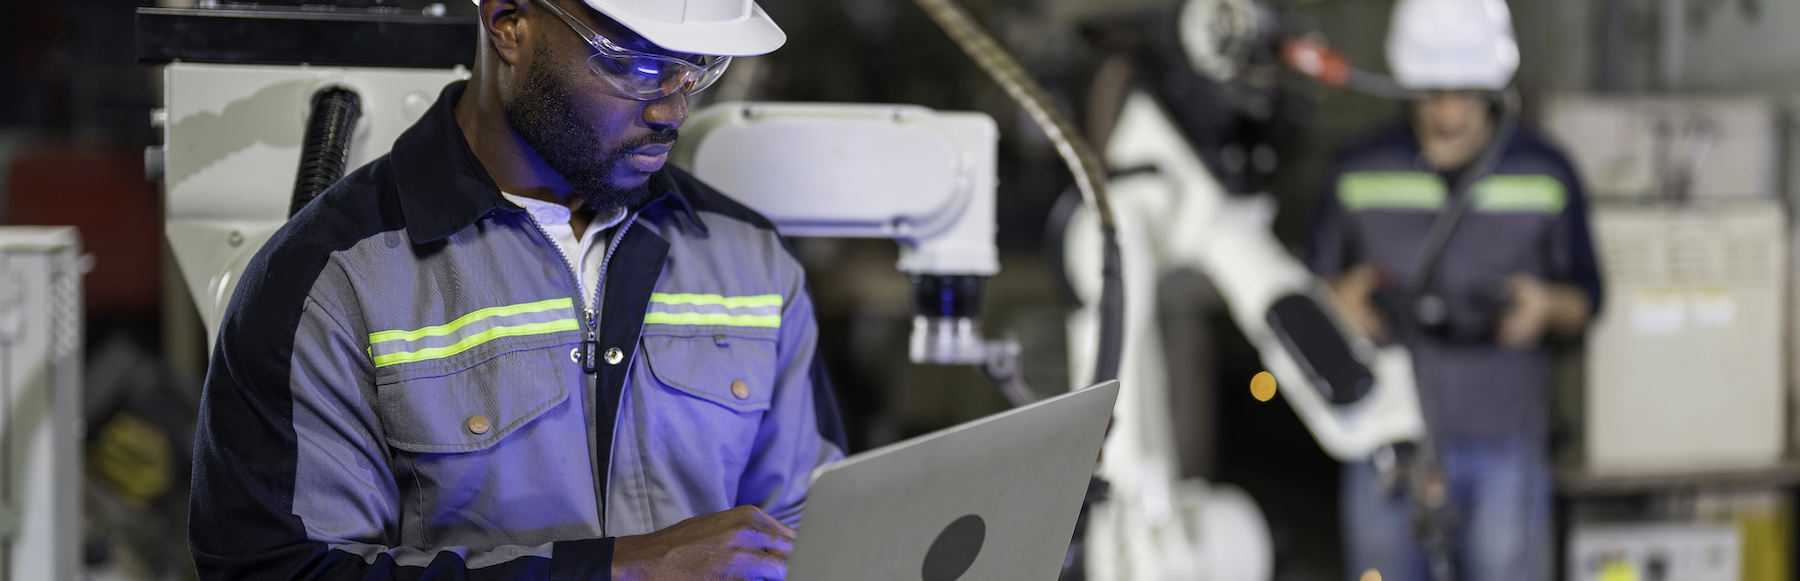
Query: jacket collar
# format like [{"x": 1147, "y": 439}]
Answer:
[{"x": 443, "y": 188}]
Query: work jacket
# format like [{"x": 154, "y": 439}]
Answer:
[
  {"x": 407, "y": 382},
  {"x": 1529, "y": 216}
]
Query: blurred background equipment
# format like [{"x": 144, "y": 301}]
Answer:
[
  {"x": 40, "y": 404},
  {"x": 233, "y": 136},
  {"x": 1664, "y": 148},
  {"x": 1670, "y": 551},
  {"x": 920, "y": 177},
  {"x": 1684, "y": 371}
]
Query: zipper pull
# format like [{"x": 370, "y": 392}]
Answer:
[{"x": 588, "y": 347}]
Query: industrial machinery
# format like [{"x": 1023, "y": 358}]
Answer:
[
  {"x": 1190, "y": 153},
  {"x": 232, "y": 137},
  {"x": 40, "y": 404},
  {"x": 923, "y": 178},
  {"x": 1355, "y": 398}
]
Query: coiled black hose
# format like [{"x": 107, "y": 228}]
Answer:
[{"x": 326, "y": 149}]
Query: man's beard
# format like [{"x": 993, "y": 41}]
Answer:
[{"x": 544, "y": 115}]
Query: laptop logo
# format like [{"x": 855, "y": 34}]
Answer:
[{"x": 955, "y": 549}]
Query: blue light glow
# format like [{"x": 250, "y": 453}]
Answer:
[{"x": 647, "y": 71}]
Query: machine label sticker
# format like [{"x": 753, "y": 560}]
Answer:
[
  {"x": 1658, "y": 311},
  {"x": 1714, "y": 307},
  {"x": 468, "y": 331}
]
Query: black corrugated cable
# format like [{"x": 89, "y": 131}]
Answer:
[{"x": 326, "y": 149}]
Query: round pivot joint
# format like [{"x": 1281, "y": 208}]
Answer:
[{"x": 947, "y": 320}]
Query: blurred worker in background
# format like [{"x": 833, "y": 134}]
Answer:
[
  {"x": 1518, "y": 269},
  {"x": 518, "y": 347}
]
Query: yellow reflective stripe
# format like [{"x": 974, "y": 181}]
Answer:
[
  {"x": 471, "y": 341},
  {"x": 1391, "y": 189},
  {"x": 727, "y": 302},
  {"x": 460, "y": 322},
  {"x": 717, "y": 319},
  {"x": 1521, "y": 193}
]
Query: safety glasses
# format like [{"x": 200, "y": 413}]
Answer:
[{"x": 641, "y": 75}]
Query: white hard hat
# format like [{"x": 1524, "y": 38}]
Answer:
[
  {"x": 1452, "y": 45},
  {"x": 704, "y": 27}
]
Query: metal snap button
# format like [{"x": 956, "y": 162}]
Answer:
[
  {"x": 478, "y": 424},
  {"x": 740, "y": 389},
  {"x": 614, "y": 356},
  {"x": 575, "y": 355}
]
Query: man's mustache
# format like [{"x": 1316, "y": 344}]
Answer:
[{"x": 660, "y": 137}]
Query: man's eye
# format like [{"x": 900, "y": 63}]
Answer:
[
  {"x": 615, "y": 66},
  {"x": 644, "y": 67}
]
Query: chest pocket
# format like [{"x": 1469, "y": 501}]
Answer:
[
  {"x": 466, "y": 385},
  {"x": 475, "y": 407},
  {"x": 711, "y": 391}
]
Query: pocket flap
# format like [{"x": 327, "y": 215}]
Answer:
[
  {"x": 732, "y": 371},
  {"x": 473, "y": 408}
]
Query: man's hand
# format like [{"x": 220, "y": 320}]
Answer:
[
  {"x": 1538, "y": 308},
  {"x": 741, "y": 544},
  {"x": 1527, "y": 314},
  {"x": 1355, "y": 289}
]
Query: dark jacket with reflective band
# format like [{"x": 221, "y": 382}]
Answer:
[
  {"x": 1529, "y": 217},
  {"x": 397, "y": 388}
]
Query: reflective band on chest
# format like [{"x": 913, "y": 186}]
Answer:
[
  {"x": 714, "y": 310},
  {"x": 468, "y": 331},
  {"x": 1407, "y": 190},
  {"x": 1365, "y": 190},
  {"x": 1522, "y": 193}
]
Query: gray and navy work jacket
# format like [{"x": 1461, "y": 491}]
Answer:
[
  {"x": 407, "y": 385},
  {"x": 1528, "y": 217}
]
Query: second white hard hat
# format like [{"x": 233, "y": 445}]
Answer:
[
  {"x": 704, "y": 27},
  {"x": 1452, "y": 45}
]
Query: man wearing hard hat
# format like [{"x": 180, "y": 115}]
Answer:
[
  {"x": 1517, "y": 268},
  {"x": 518, "y": 346}
]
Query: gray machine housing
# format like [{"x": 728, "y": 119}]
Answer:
[{"x": 40, "y": 404}]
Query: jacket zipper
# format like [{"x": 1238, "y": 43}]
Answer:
[{"x": 590, "y": 322}]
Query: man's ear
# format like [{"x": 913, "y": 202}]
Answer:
[{"x": 503, "y": 26}]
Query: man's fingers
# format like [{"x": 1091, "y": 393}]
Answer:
[
  {"x": 1364, "y": 279},
  {"x": 1516, "y": 329},
  {"x": 775, "y": 526},
  {"x": 762, "y": 538},
  {"x": 759, "y": 566}
]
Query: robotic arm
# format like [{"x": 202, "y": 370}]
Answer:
[{"x": 924, "y": 178}]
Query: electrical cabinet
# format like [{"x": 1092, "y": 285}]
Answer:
[{"x": 1684, "y": 367}]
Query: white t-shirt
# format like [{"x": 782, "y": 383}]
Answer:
[{"x": 591, "y": 248}]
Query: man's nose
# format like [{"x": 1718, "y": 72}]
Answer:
[{"x": 668, "y": 112}]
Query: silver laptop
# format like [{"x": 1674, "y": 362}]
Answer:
[{"x": 991, "y": 499}]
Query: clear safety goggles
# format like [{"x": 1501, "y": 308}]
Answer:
[{"x": 641, "y": 75}]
